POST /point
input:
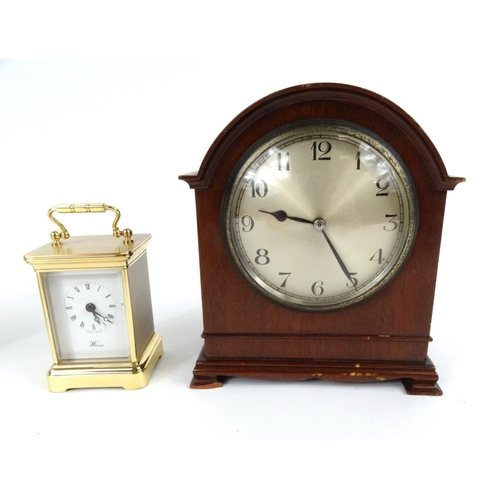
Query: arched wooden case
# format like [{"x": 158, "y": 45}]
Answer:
[{"x": 382, "y": 338}]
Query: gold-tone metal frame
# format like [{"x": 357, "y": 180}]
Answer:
[
  {"x": 133, "y": 373},
  {"x": 129, "y": 375},
  {"x": 128, "y": 312}
]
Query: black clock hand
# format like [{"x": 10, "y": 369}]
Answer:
[
  {"x": 339, "y": 260},
  {"x": 282, "y": 216},
  {"x": 104, "y": 318},
  {"x": 91, "y": 308}
]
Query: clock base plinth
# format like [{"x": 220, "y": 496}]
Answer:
[
  {"x": 418, "y": 379},
  {"x": 416, "y": 387},
  {"x": 130, "y": 376}
]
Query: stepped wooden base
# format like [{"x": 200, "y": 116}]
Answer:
[{"x": 418, "y": 379}]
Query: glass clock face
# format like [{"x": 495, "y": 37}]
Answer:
[
  {"x": 320, "y": 215},
  {"x": 87, "y": 314}
]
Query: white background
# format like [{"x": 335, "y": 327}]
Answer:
[{"x": 134, "y": 95}]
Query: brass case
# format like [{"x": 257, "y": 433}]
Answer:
[{"x": 90, "y": 253}]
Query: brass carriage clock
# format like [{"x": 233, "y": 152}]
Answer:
[
  {"x": 97, "y": 304},
  {"x": 320, "y": 210}
]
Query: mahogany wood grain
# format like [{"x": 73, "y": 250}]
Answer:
[{"x": 245, "y": 334}]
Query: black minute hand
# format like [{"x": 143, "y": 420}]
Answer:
[
  {"x": 340, "y": 261},
  {"x": 281, "y": 216}
]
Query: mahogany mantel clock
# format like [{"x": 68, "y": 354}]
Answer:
[{"x": 320, "y": 211}]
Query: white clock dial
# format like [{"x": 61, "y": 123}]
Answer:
[
  {"x": 88, "y": 314},
  {"x": 91, "y": 306},
  {"x": 320, "y": 215}
]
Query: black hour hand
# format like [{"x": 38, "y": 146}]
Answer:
[{"x": 282, "y": 216}]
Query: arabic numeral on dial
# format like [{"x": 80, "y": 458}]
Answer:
[
  {"x": 393, "y": 223},
  {"x": 321, "y": 150},
  {"x": 283, "y": 285},
  {"x": 262, "y": 258},
  {"x": 353, "y": 282},
  {"x": 283, "y": 161},
  {"x": 247, "y": 223},
  {"x": 383, "y": 184},
  {"x": 377, "y": 257},
  {"x": 317, "y": 288},
  {"x": 259, "y": 188}
]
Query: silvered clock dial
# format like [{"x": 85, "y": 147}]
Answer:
[{"x": 320, "y": 215}]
